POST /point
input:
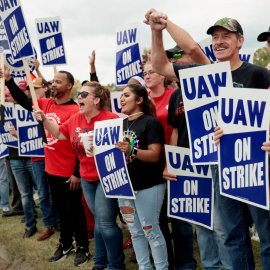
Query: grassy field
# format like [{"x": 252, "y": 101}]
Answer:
[{"x": 28, "y": 254}]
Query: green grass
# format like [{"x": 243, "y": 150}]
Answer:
[{"x": 27, "y": 254}]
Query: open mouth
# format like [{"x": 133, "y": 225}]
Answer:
[{"x": 81, "y": 105}]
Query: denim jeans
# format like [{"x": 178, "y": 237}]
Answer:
[
  {"x": 236, "y": 220},
  {"x": 183, "y": 245},
  {"x": 213, "y": 252},
  {"x": 4, "y": 184},
  {"x": 22, "y": 171},
  {"x": 108, "y": 236},
  {"x": 142, "y": 217},
  {"x": 41, "y": 182}
]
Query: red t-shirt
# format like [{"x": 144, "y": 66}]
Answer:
[
  {"x": 60, "y": 158},
  {"x": 72, "y": 128},
  {"x": 162, "y": 104}
]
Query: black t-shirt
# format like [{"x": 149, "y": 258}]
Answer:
[
  {"x": 246, "y": 76},
  {"x": 141, "y": 132}
]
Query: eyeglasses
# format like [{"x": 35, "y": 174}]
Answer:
[
  {"x": 84, "y": 94},
  {"x": 150, "y": 72}
]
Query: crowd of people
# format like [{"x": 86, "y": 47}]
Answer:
[{"x": 71, "y": 197}]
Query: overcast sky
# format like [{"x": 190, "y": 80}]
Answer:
[{"x": 89, "y": 25}]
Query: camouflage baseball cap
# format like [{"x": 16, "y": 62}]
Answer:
[
  {"x": 227, "y": 23},
  {"x": 263, "y": 36}
]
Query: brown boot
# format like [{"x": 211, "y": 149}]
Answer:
[{"x": 46, "y": 233}]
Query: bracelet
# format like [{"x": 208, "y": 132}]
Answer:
[{"x": 131, "y": 149}]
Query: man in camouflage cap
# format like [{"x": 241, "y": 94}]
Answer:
[{"x": 227, "y": 40}]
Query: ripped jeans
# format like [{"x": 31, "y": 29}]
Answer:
[{"x": 142, "y": 217}]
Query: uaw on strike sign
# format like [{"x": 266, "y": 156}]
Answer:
[
  {"x": 49, "y": 32},
  {"x": 243, "y": 165},
  {"x": 128, "y": 58},
  {"x": 18, "y": 35}
]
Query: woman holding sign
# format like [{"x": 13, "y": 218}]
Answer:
[
  {"x": 143, "y": 140},
  {"x": 92, "y": 99}
]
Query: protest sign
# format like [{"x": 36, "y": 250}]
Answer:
[
  {"x": 128, "y": 58},
  {"x": 191, "y": 197},
  {"x": 200, "y": 87},
  {"x": 245, "y": 55},
  {"x": 16, "y": 68},
  {"x": 10, "y": 116},
  {"x": 3, "y": 149},
  {"x": 4, "y": 46},
  {"x": 29, "y": 136},
  {"x": 110, "y": 161},
  {"x": 51, "y": 43},
  {"x": 243, "y": 166},
  {"x": 115, "y": 103},
  {"x": 17, "y": 33}
]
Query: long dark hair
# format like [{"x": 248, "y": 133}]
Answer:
[{"x": 148, "y": 105}]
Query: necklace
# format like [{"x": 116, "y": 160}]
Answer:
[{"x": 128, "y": 127}]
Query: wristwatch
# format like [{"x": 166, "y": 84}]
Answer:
[{"x": 134, "y": 152}]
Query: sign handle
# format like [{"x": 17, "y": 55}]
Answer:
[
  {"x": 54, "y": 70},
  {"x": 34, "y": 98},
  {"x": 3, "y": 90}
]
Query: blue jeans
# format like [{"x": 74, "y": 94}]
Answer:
[
  {"x": 108, "y": 236},
  {"x": 41, "y": 182},
  {"x": 236, "y": 220},
  {"x": 142, "y": 217},
  {"x": 182, "y": 234},
  {"x": 22, "y": 171},
  {"x": 4, "y": 184},
  {"x": 213, "y": 252}
]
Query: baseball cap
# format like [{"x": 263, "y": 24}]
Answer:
[
  {"x": 39, "y": 82},
  {"x": 227, "y": 23},
  {"x": 22, "y": 85},
  {"x": 172, "y": 51},
  {"x": 264, "y": 35}
]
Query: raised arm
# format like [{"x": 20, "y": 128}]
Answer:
[
  {"x": 160, "y": 62},
  {"x": 36, "y": 64},
  {"x": 187, "y": 43},
  {"x": 93, "y": 74}
]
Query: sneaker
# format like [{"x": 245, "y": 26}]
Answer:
[
  {"x": 5, "y": 209},
  {"x": 61, "y": 253},
  {"x": 12, "y": 213},
  {"x": 30, "y": 232},
  {"x": 128, "y": 242},
  {"x": 82, "y": 256},
  {"x": 46, "y": 233},
  {"x": 99, "y": 268}
]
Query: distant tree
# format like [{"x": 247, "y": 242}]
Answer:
[
  {"x": 77, "y": 85},
  {"x": 112, "y": 87},
  {"x": 261, "y": 57}
]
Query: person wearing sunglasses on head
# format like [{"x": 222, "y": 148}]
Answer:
[{"x": 92, "y": 100}]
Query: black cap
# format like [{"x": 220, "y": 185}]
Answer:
[
  {"x": 172, "y": 51},
  {"x": 263, "y": 36}
]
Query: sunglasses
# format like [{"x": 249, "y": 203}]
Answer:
[
  {"x": 177, "y": 56},
  {"x": 84, "y": 94}
]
